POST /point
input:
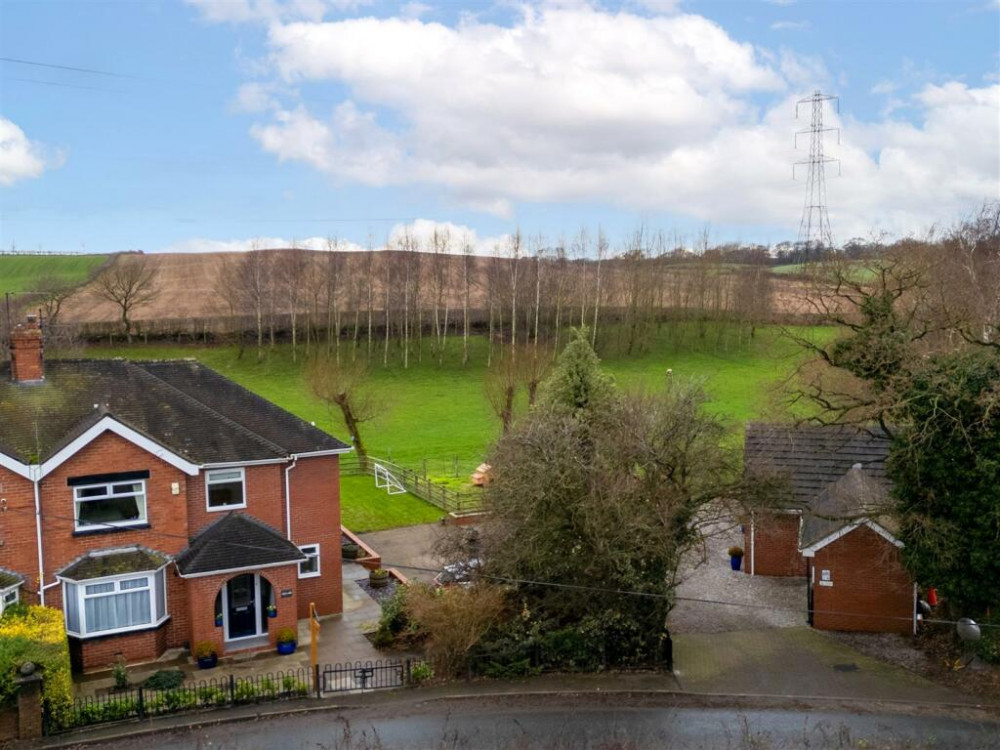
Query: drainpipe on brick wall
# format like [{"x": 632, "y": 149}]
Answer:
[
  {"x": 288, "y": 499},
  {"x": 38, "y": 536},
  {"x": 753, "y": 539}
]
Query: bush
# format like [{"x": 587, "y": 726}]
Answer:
[
  {"x": 212, "y": 696},
  {"x": 205, "y": 650},
  {"x": 287, "y": 635},
  {"x": 38, "y": 635},
  {"x": 119, "y": 671},
  {"x": 455, "y": 620},
  {"x": 293, "y": 686},
  {"x": 736, "y": 551},
  {"x": 421, "y": 672},
  {"x": 165, "y": 679},
  {"x": 178, "y": 700},
  {"x": 245, "y": 692},
  {"x": 394, "y": 626}
]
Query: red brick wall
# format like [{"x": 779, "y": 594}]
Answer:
[
  {"x": 869, "y": 583},
  {"x": 18, "y": 543},
  {"x": 202, "y": 591},
  {"x": 775, "y": 548},
  {"x": 264, "y": 489},
  {"x": 95, "y": 654},
  {"x": 26, "y": 353},
  {"x": 315, "y": 491}
]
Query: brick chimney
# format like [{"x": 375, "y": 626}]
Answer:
[{"x": 26, "y": 352}]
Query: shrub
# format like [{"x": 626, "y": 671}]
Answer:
[
  {"x": 293, "y": 686},
  {"x": 379, "y": 573},
  {"x": 212, "y": 696},
  {"x": 38, "y": 635},
  {"x": 421, "y": 672},
  {"x": 178, "y": 700},
  {"x": 287, "y": 635},
  {"x": 736, "y": 551},
  {"x": 394, "y": 625},
  {"x": 455, "y": 619},
  {"x": 245, "y": 692},
  {"x": 119, "y": 671},
  {"x": 205, "y": 650},
  {"x": 165, "y": 679}
]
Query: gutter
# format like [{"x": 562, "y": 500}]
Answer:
[
  {"x": 753, "y": 539},
  {"x": 288, "y": 499},
  {"x": 38, "y": 535}
]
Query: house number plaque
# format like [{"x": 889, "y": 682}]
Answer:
[{"x": 286, "y": 593}]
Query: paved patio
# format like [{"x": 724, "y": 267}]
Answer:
[{"x": 410, "y": 549}]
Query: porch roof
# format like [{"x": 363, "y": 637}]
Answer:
[
  {"x": 235, "y": 542},
  {"x": 9, "y": 579}
]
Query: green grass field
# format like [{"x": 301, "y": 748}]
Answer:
[
  {"x": 440, "y": 415},
  {"x": 21, "y": 273}
]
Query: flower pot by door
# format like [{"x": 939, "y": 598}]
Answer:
[
  {"x": 735, "y": 561},
  {"x": 285, "y": 648},
  {"x": 207, "y": 662}
]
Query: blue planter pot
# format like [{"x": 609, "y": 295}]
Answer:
[
  {"x": 272, "y": 614},
  {"x": 735, "y": 562},
  {"x": 207, "y": 662},
  {"x": 286, "y": 648}
]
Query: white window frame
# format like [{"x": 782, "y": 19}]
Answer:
[
  {"x": 4, "y": 603},
  {"x": 78, "y": 501},
  {"x": 82, "y": 596},
  {"x": 311, "y": 556},
  {"x": 209, "y": 483}
]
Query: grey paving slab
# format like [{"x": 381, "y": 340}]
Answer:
[{"x": 409, "y": 548}]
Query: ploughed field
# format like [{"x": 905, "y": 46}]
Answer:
[{"x": 436, "y": 417}]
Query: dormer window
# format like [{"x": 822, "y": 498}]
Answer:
[
  {"x": 109, "y": 501},
  {"x": 224, "y": 489}
]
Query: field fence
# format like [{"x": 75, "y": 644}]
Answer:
[{"x": 435, "y": 489}]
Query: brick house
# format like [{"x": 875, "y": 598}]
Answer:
[
  {"x": 831, "y": 527},
  {"x": 159, "y": 504}
]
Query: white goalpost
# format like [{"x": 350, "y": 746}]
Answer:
[{"x": 384, "y": 480}]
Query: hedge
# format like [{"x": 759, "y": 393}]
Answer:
[{"x": 36, "y": 634}]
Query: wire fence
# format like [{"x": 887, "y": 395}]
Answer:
[{"x": 417, "y": 482}]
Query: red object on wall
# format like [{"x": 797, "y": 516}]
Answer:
[{"x": 932, "y": 596}]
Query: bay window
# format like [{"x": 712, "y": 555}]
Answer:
[{"x": 114, "y": 605}]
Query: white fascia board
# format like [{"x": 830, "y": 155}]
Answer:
[
  {"x": 238, "y": 464},
  {"x": 331, "y": 452},
  {"x": 12, "y": 464},
  {"x": 110, "y": 424},
  {"x": 250, "y": 569},
  {"x": 811, "y": 550}
]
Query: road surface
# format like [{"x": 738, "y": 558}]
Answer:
[{"x": 603, "y": 725}]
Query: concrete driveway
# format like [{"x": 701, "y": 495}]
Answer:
[{"x": 410, "y": 549}]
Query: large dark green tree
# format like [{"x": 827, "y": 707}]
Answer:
[{"x": 597, "y": 492}]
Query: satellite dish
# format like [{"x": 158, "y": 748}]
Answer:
[{"x": 968, "y": 630}]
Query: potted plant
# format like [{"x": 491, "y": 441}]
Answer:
[
  {"x": 735, "y": 557},
  {"x": 350, "y": 551},
  {"x": 218, "y": 620},
  {"x": 378, "y": 578},
  {"x": 286, "y": 641},
  {"x": 272, "y": 610},
  {"x": 206, "y": 654}
]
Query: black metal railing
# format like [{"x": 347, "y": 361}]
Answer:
[{"x": 138, "y": 703}]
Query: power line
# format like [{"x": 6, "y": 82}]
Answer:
[
  {"x": 530, "y": 582},
  {"x": 74, "y": 69},
  {"x": 60, "y": 85}
]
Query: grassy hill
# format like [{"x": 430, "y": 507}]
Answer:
[{"x": 21, "y": 273}]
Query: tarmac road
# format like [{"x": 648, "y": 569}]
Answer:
[{"x": 560, "y": 724}]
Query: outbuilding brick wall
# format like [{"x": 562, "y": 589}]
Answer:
[
  {"x": 315, "y": 491},
  {"x": 871, "y": 590},
  {"x": 774, "y": 549}
]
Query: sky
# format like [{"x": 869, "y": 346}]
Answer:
[{"x": 202, "y": 125}]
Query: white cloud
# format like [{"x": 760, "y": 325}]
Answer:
[
  {"x": 573, "y": 103},
  {"x": 455, "y": 236},
  {"x": 22, "y": 159},
  {"x": 247, "y": 11},
  {"x": 789, "y": 25},
  {"x": 415, "y": 10}
]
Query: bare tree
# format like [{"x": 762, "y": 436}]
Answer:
[
  {"x": 344, "y": 385},
  {"x": 501, "y": 387},
  {"x": 129, "y": 282}
]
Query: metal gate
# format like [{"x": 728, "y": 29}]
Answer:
[{"x": 361, "y": 676}]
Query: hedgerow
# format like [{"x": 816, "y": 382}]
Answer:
[{"x": 38, "y": 635}]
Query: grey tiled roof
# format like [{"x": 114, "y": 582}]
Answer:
[
  {"x": 813, "y": 457},
  {"x": 99, "y": 564},
  {"x": 9, "y": 578},
  {"x": 859, "y": 495},
  {"x": 186, "y": 407},
  {"x": 233, "y": 542}
]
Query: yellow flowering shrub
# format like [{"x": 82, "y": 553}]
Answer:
[{"x": 38, "y": 635}]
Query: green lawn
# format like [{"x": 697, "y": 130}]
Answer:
[
  {"x": 437, "y": 417},
  {"x": 366, "y": 508},
  {"x": 21, "y": 273}
]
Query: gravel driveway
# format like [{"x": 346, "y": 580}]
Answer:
[{"x": 770, "y": 602}]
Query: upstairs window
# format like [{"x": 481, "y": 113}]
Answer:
[
  {"x": 225, "y": 489},
  {"x": 109, "y": 504}
]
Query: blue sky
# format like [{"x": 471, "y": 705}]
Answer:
[{"x": 211, "y": 123}]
